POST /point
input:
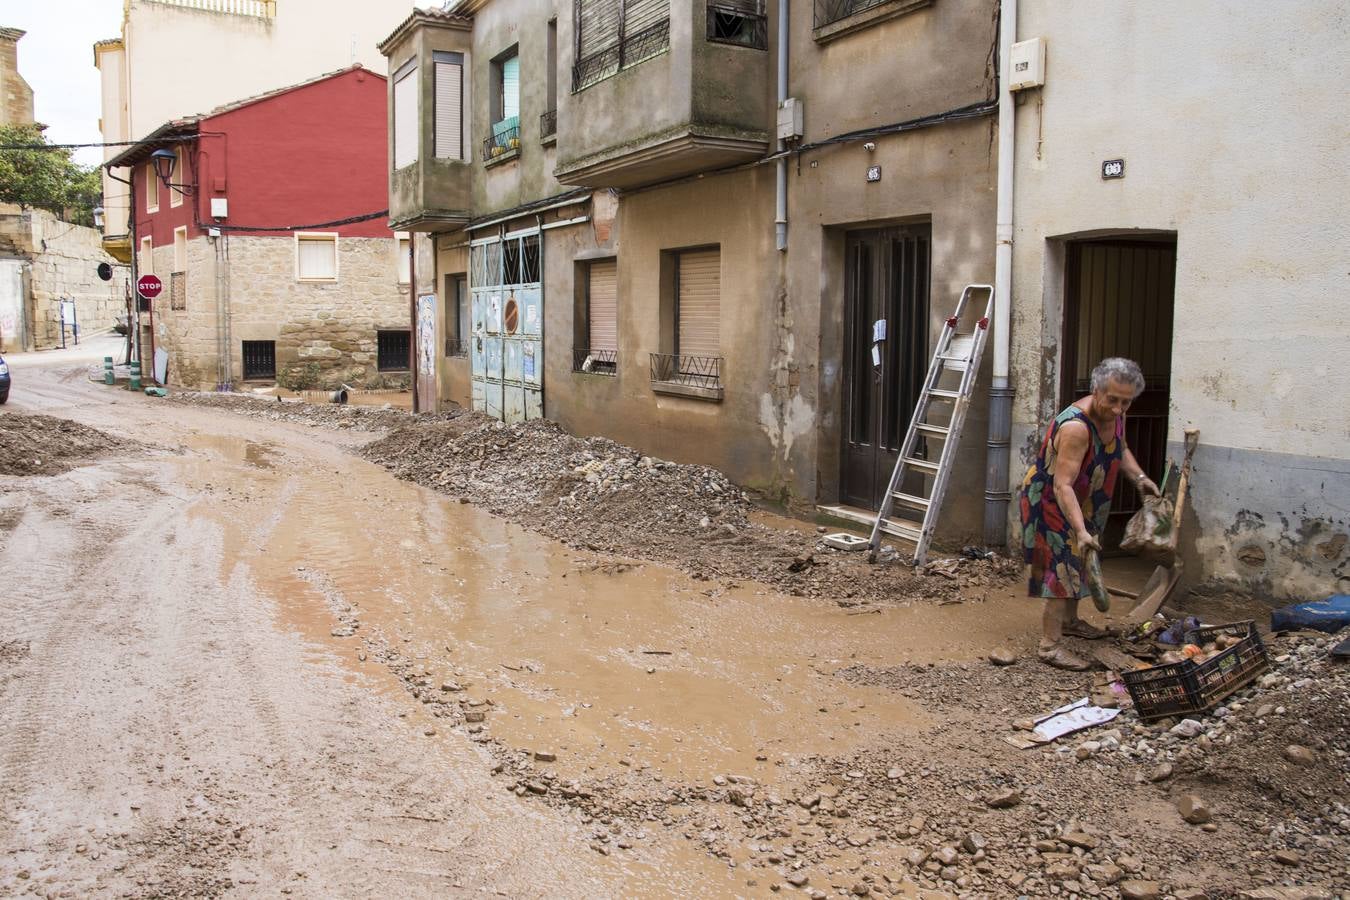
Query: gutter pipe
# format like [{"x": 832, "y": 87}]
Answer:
[
  {"x": 780, "y": 222},
  {"x": 997, "y": 493}
]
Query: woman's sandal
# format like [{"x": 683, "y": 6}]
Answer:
[
  {"x": 1061, "y": 658},
  {"x": 1080, "y": 629}
]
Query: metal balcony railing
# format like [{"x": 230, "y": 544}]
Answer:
[
  {"x": 630, "y": 50},
  {"x": 548, "y": 124},
  {"x": 694, "y": 371},
  {"x": 595, "y": 362},
  {"x": 257, "y": 9},
  {"x": 830, "y": 11},
  {"x": 501, "y": 142}
]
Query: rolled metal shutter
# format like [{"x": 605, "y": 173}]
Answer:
[
  {"x": 603, "y": 314},
  {"x": 449, "y": 118},
  {"x": 700, "y": 303},
  {"x": 405, "y": 119},
  {"x": 640, "y": 14},
  {"x": 597, "y": 26}
]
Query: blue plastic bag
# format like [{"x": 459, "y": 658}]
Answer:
[{"x": 1329, "y": 615}]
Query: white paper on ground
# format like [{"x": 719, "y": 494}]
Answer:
[{"x": 1073, "y": 717}]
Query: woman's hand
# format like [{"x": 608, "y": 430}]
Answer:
[
  {"x": 1085, "y": 541},
  {"x": 1144, "y": 485}
]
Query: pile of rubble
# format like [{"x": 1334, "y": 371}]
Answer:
[
  {"x": 315, "y": 415},
  {"x": 44, "y": 445},
  {"x": 604, "y": 496}
]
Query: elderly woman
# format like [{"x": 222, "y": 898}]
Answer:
[{"x": 1066, "y": 498}]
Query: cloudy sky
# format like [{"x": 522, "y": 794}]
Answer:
[{"x": 56, "y": 57}]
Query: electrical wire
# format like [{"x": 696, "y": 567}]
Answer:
[
  {"x": 167, "y": 140},
  {"x": 350, "y": 220}
]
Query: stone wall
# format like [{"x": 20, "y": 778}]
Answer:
[
  {"x": 63, "y": 261},
  {"x": 325, "y": 332},
  {"x": 16, "y": 97}
]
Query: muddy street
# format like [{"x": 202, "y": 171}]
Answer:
[{"x": 237, "y": 658}]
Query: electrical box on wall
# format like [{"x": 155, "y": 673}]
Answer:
[
  {"x": 1027, "y": 64},
  {"x": 220, "y": 208},
  {"x": 790, "y": 119}
]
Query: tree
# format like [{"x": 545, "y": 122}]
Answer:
[{"x": 45, "y": 177}]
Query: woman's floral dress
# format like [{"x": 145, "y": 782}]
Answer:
[{"x": 1048, "y": 542}]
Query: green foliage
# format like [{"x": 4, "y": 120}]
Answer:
[
  {"x": 299, "y": 377},
  {"x": 47, "y": 178}
]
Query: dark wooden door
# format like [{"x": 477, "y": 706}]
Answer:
[
  {"x": 1118, "y": 302},
  {"x": 887, "y": 279}
]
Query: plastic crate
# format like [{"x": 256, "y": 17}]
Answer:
[{"x": 1186, "y": 687}]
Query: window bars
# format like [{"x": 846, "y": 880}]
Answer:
[
  {"x": 501, "y": 142},
  {"x": 514, "y": 260},
  {"x": 260, "y": 359},
  {"x": 740, "y": 22},
  {"x": 694, "y": 371},
  {"x": 595, "y": 362},
  {"x": 456, "y": 348},
  {"x": 178, "y": 290},
  {"x": 548, "y": 124},
  {"x": 629, "y": 51},
  {"x": 831, "y": 11}
]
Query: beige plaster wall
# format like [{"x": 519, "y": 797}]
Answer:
[
  {"x": 1231, "y": 121},
  {"x": 16, "y": 97},
  {"x": 331, "y": 325}
]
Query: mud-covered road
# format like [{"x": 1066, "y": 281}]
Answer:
[{"x": 237, "y": 659}]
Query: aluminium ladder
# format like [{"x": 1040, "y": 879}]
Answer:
[{"x": 957, "y": 354}]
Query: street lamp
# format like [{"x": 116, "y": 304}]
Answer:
[
  {"x": 164, "y": 162},
  {"x": 98, "y": 217}
]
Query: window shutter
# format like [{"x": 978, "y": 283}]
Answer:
[
  {"x": 700, "y": 303},
  {"x": 597, "y": 26},
  {"x": 449, "y": 121},
  {"x": 640, "y": 14},
  {"x": 511, "y": 88},
  {"x": 604, "y": 305},
  {"x": 151, "y": 187},
  {"x": 405, "y": 119},
  {"x": 318, "y": 257},
  {"x": 404, "y": 259}
]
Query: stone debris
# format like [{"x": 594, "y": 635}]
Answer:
[{"x": 44, "y": 445}]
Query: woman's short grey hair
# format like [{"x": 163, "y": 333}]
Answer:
[{"x": 1117, "y": 368}]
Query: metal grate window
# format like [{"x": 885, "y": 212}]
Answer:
[
  {"x": 693, "y": 371},
  {"x": 740, "y": 22},
  {"x": 830, "y": 11},
  {"x": 178, "y": 290},
  {"x": 613, "y": 35},
  {"x": 393, "y": 350},
  {"x": 260, "y": 359}
]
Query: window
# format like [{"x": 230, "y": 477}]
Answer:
[
  {"x": 406, "y": 108},
  {"x": 548, "y": 121},
  {"x": 456, "y": 314},
  {"x": 145, "y": 265},
  {"x": 180, "y": 176},
  {"x": 691, "y": 312},
  {"x": 316, "y": 256},
  {"x": 404, "y": 250},
  {"x": 393, "y": 350},
  {"x": 260, "y": 359},
  {"x": 612, "y": 35},
  {"x": 599, "y": 353},
  {"x": 739, "y": 22},
  {"x": 178, "y": 277},
  {"x": 839, "y": 17},
  {"x": 151, "y": 189},
  {"x": 449, "y": 105},
  {"x": 505, "y": 135}
]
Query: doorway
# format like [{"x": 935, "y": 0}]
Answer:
[
  {"x": 887, "y": 278},
  {"x": 1118, "y": 301}
]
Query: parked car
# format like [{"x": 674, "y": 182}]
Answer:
[{"x": 4, "y": 380}]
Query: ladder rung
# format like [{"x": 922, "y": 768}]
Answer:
[
  {"x": 911, "y": 499},
  {"x": 922, "y": 465},
  {"x": 900, "y": 530},
  {"x": 932, "y": 430},
  {"x": 944, "y": 394}
]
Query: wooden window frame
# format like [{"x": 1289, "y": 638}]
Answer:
[{"x": 315, "y": 236}]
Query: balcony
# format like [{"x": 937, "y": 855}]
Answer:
[
  {"x": 699, "y": 377},
  {"x": 431, "y": 177},
  {"x": 504, "y": 142},
  {"x": 676, "y": 97},
  {"x": 548, "y": 127}
]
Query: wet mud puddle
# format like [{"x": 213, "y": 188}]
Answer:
[{"x": 588, "y": 667}]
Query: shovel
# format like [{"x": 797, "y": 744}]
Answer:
[{"x": 1164, "y": 579}]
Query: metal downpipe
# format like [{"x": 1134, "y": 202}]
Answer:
[
  {"x": 997, "y": 493},
  {"x": 780, "y": 223}
]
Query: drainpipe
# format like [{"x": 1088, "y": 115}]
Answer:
[
  {"x": 997, "y": 494},
  {"x": 780, "y": 223}
]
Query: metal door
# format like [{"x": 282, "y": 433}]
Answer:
[
  {"x": 886, "y": 280},
  {"x": 1118, "y": 302},
  {"x": 506, "y": 353}
]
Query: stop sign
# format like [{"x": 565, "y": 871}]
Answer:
[{"x": 149, "y": 286}]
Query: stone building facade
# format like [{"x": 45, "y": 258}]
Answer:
[
  {"x": 54, "y": 261},
  {"x": 16, "y": 96}
]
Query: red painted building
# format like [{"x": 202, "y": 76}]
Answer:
[{"x": 272, "y": 239}]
